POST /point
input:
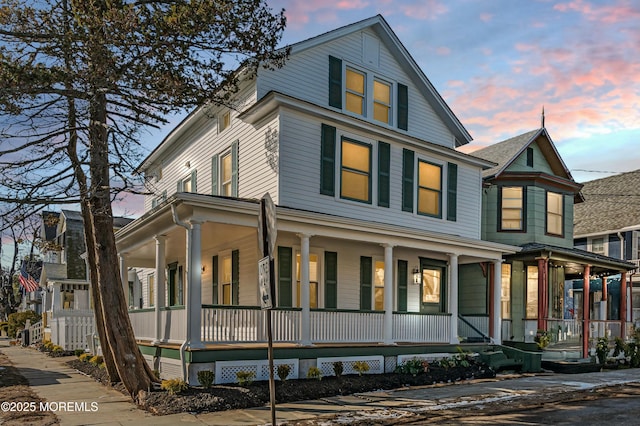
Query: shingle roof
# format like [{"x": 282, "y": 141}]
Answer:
[
  {"x": 576, "y": 254},
  {"x": 610, "y": 204},
  {"x": 505, "y": 151}
]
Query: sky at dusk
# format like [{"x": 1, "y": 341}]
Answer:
[{"x": 498, "y": 62}]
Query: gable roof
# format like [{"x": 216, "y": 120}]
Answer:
[
  {"x": 382, "y": 29},
  {"x": 506, "y": 152},
  {"x": 611, "y": 204}
]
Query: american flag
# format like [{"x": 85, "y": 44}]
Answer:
[{"x": 27, "y": 280}]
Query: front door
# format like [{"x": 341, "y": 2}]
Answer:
[{"x": 432, "y": 286}]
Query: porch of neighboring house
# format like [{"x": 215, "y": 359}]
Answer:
[
  {"x": 546, "y": 293},
  {"x": 342, "y": 286}
]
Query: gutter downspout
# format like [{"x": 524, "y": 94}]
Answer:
[{"x": 183, "y": 347}]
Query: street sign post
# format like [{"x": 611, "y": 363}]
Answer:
[{"x": 267, "y": 233}]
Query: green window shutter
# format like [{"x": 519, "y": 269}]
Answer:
[
  {"x": 214, "y": 174},
  {"x": 327, "y": 160},
  {"x": 330, "y": 280},
  {"x": 234, "y": 169},
  {"x": 407, "y": 180},
  {"x": 452, "y": 191},
  {"x": 194, "y": 181},
  {"x": 366, "y": 276},
  {"x": 403, "y": 271},
  {"x": 235, "y": 277},
  {"x": 335, "y": 82},
  {"x": 285, "y": 268},
  {"x": 214, "y": 275},
  {"x": 403, "y": 107},
  {"x": 384, "y": 168}
]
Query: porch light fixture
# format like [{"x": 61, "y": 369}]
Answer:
[
  {"x": 187, "y": 164},
  {"x": 416, "y": 275}
]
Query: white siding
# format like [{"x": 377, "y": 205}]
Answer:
[
  {"x": 202, "y": 142},
  {"x": 300, "y": 181},
  {"x": 306, "y": 76}
]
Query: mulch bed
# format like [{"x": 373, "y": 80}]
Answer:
[{"x": 233, "y": 396}]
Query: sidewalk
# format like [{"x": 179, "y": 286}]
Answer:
[{"x": 52, "y": 380}]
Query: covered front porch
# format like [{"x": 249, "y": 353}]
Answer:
[{"x": 338, "y": 280}]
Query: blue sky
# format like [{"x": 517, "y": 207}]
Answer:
[{"x": 497, "y": 62}]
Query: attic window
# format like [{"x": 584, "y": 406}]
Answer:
[
  {"x": 224, "y": 121},
  {"x": 529, "y": 157}
]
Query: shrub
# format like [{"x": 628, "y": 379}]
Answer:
[
  {"x": 361, "y": 367},
  {"x": 85, "y": 357},
  {"x": 619, "y": 347},
  {"x": 283, "y": 371},
  {"x": 245, "y": 377},
  {"x": 602, "y": 349},
  {"x": 156, "y": 373},
  {"x": 205, "y": 378},
  {"x": 47, "y": 346},
  {"x": 314, "y": 373},
  {"x": 17, "y": 321},
  {"x": 413, "y": 366},
  {"x": 543, "y": 338},
  {"x": 78, "y": 352},
  {"x": 174, "y": 386},
  {"x": 57, "y": 349},
  {"x": 96, "y": 360},
  {"x": 338, "y": 368}
]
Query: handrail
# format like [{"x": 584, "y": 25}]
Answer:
[{"x": 484, "y": 336}]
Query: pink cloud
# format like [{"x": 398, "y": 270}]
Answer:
[
  {"x": 429, "y": 9},
  {"x": 486, "y": 17},
  {"x": 610, "y": 14},
  {"x": 443, "y": 51}
]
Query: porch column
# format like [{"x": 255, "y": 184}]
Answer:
[
  {"x": 305, "y": 321},
  {"x": 453, "y": 297},
  {"x": 543, "y": 282},
  {"x": 603, "y": 303},
  {"x": 623, "y": 304},
  {"x": 124, "y": 277},
  {"x": 585, "y": 311},
  {"x": 194, "y": 284},
  {"x": 496, "y": 302},
  {"x": 158, "y": 300},
  {"x": 388, "y": 294}
]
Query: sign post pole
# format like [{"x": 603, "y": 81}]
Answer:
[{"x": 267, "y": 238}]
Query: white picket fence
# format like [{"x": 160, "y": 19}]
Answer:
[
  {"x": 70, "y": 332},
  {"x": 35, "y": 333}
]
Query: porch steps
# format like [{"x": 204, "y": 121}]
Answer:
[{"x": 508, "y": 358}]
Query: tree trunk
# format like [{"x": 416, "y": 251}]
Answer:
[{"x": 133, "y": 370}]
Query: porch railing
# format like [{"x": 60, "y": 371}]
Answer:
[
  {"x": 346, "y": 326},
  {"x": 609, "y": 329},
  {"x": 474, "y": 327},
  {"x": 246, "y": 324},
  {"x": 416, "y": 327},
  {"x": 564, "y": 330}
]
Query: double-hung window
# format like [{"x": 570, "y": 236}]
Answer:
[
  {"x": 355, "y": 171},
  {"x": 512, "y": 208},
  {"x": 429, "y": 189},
  {"x": 188, "y": 184},
  {"x": 555, "y": 207},
  {"x": 364, "y": 93},
  {"x": 355, "y": 91},
  {"x": 226, "y": 280},
  {"x": 224, "y": 172},
  {"x": 313, "y": 280},
  {"x": 224, "y": 121},
  {"x": 381, "y": 101}
]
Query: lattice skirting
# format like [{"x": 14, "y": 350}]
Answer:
[
  {"x": 226, "y": 371},
  {"x": 376, "y": 364}
]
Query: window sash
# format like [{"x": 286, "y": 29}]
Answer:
[
  {"x": 532, "y": 292},
  {"x": 313, "y": 280},
  {"x": 431, "y": 283},
  {"x": 554, "y": 213},
  {"x": 381, "y": 101},
  {"x": 226, "y": 174},
  {"x": 512, "y": 208},
  {"x": 355, "y": 87},
  {"x": 429, "y": 189},
  {"x": 355, "y": 173}
]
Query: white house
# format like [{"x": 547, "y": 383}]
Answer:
[{"x": 375, "y": 212}]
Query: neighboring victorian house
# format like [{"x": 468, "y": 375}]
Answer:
[
  {"x": 376, "y": 210},
  {"x": 608, "y": 223},
  {"x": 64, "y": 278},
  {"x": 529, "y": 199}
]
